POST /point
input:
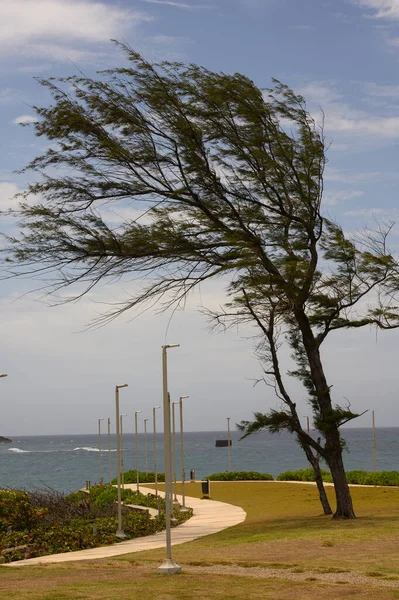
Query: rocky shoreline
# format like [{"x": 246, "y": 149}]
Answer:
[{"x": 4, "y": 440}]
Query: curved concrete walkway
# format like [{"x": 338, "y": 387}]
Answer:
[{"x": 209, "y": 517}]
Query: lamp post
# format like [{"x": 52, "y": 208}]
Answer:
[
  {"x": 119, "y": 532},
  {"x": 99, "y": 450},
  {"x": 145, "y": 447},
  {"x": 137, "y": 449},
  {"x": 109, "y": 450},
  {"x": 228, "y": 445},
  {"x": 155, "y": 449},
  {"x": 168, "y": 566},
  {"x": 175, "y": 501},
  {"x": 183, "y": 474},
  {"x": 122, "y": 452}
]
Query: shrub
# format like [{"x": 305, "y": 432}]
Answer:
[
  {"x": 131, "y": 477},
  {"x": 303, "y": 475},
  {"x": 40, "y": 523},
  {"x": 389, "y": 478},
  {"x": 240, "y": 476}
]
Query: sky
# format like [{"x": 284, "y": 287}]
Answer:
[{"x": 343, "y": 57}]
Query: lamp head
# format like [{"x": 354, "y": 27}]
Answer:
[
  {"x": 118, "y": 387},
  {"x": 183, "y": 397}
]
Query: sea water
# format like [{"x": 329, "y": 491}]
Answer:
[{"x": 66, "y": 462}]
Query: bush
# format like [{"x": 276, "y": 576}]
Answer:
[
  {"x": 40, "y": 523},
  {"x": 303, "y": 475},
  {"x": 131, "y": 477},
  {"x": 389, "y": 478},
  {"x": 103, "y": 495},
  {"x": 240, "y": 476}
]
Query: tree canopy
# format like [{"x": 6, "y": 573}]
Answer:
[{"x": 218, "y": 178}]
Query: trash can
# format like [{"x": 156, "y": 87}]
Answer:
[{"x": 206, "y": 488}]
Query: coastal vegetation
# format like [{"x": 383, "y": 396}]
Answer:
[
  {"x": 288, "y": 551},
  {"x": 149, "y": 477},
  {"x": 218, "y": 179},
  {"x": 39, "y": 523},
  {"x": 240, "y": 476},
  {"x": 357, "y": 477}
]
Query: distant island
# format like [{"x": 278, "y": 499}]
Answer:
[{"x": 4, "y": 440}]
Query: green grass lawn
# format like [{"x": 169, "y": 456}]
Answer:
[{"x": 283, "y": 550}]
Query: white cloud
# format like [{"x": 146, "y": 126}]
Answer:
[
  {"x": 382, "y": 91},
  {"x": 24, "y": 120},
  {"x": 381, "y": 9},
  {"x": 53, "y": 28},
  {"x": 28, "y": 20},
  {"x": 366, "y": 212},
  {"x": 7, "y": 192},
  {"x": 343, "y": 120},
  {"x": 175, "y": 4},
  {"x": 332, "y": 198},
  {"x": 334, "y": 175}
]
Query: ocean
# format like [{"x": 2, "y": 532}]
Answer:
[{"x": 66, "y": 462}]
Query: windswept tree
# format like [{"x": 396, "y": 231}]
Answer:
[{"x": 228, "y": 180}]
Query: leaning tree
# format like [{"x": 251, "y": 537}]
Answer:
[{"x": 225, "y": 180}]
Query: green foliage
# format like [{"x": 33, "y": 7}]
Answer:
[
  {"x": 389, "y": 478},
  {"x": 17, "y": 512},
  {"x": 303, "y": 475},
  {"x": 131, "y": 477},
  {"x": 381, "y": 478},
  {"x": 41, "y": 523},
  {"x": 239, "y": 476},
  {"x": 102, "y": 495}
]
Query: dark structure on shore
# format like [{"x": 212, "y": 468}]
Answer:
[{"x": 223, "y": 443}]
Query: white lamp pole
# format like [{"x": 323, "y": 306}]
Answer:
[
  {"x": 155, "y": 449},
  {"x": 168, "y": 566},
  {"x": 122, "y": 452},
  {"x": 183, "y": 474},
  {"x": 137, "y": 449},
  {"x": 175, "y": 501},
  {"x": 109, "y": 450},
  {"x": 228, "y": 445},
  {"x": 119, "y": 532},
  {"x": 145, "y": 447},
  {"x": 99, "y": 450}
]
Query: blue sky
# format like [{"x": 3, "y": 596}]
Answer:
[{"x": 342, "y": 55}]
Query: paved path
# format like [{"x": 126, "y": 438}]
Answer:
[{"x": 209, "y": 517}]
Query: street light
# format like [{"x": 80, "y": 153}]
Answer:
[
  {"x": 3, "y": 375},
  {"x": 119, "y": 532},
  {"x": 228, "y": 445},
  {"x": 175, "y": 500},
  {"x": 168, "y": 565},
  {"x": 145, "y": 447},
  {"x": 109, "y": 450},
  {"x": 122, "y": 452},
  {"x": 99, "y": 450},
  {"x": 155, "y": 449},
  {"x": 137, "y": 449},
  {"x": 183, "y": 474}
]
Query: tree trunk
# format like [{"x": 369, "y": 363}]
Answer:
[
  {"x": 333, "y": 447},
  {"x": 322, "y": 491},
  {"x": 315, "y": 462},
  {"x": 344, "y": 508}
]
